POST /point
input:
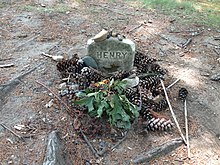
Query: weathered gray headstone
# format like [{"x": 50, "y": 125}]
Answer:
[{"x": 111, "y": 54}]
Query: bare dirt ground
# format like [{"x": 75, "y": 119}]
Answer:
[{"x": 26, "y": 32}]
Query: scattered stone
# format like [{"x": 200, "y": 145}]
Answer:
[
  {"x": 132, "y": 82},
  {"x": 49, "y": 104},
  {"x": 112, "y": 55},
  {"x": 150, "y": 21},
  {"x": 83, "y": 31},
  {"x": 55, "y": 154},
  {"x": 101, "y": 36},
  {"x": 206, "y": 74},
  {"x": 89, "y": 61},
  {"x": 62, "y": 86},
  {"x": 43, "y": 5},
  {"x": 215, "y": 77},
  {"x": 22, "y": 35},
  {"x": 10, "y": 162},
  {"x": 19, "y": 127}
]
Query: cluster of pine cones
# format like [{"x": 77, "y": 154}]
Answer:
[{"x": 148, "y": 95}]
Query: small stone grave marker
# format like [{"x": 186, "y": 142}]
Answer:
[{"x": 111, "y": 54}]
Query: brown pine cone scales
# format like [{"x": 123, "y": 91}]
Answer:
[
  {"x": 158, "y": 122},
  {"x": 91, "y": 74},
  {"x": 149, "y": 82},
  {"x": 70, "y": 67},
  {"x": 141, "y": 59},
  {"x": 121, "y": 74}
]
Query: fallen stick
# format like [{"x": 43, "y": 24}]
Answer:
[
  {"x": 68, "y": 108},
  {"x": 172, "y": 112},
  {"x": 22, "y": 44},
  {"x": 6, "y": 88},
  {"x": 140, "y": 92},
  {"x": 187, "y": 43},
  {"x": 89, "y": 144},
  {"x": 119, "y": 142},
  {"x": 5, "y": 59},
  {"x": 136, "y": 27},
  {"x": 216, "y": 51},
  {"x": 20, "y": 137},
  {"x": 55, "y": 58},
  {"x": 172, "y": 84},
  {"x": 187, "y": 131},
  {"x": 6, "y": 65},
  {"x": 160, "y": 150}
]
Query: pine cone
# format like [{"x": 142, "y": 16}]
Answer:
[
  {"x": 145, "y": 113},
  {"x": 149, "y": 82},
  {"x": 130, "y": 91},
  {"x": 70, "y": 66},
  {"x": 183, "y": 93},
  {"x": 91, "y": 74},
  {"x": 83, "y": 82},
  {"x": 141, "y": 59},
  {"x": 155, "y": 68},
  {"x": 86, "y": 71},
  {"x": 135, "y": 99},
  {"x": 160, "y": 124},
  {"x": 65, "y": 64},
  {"x": 119, "y": 75}
]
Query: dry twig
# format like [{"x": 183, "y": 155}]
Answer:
[
  {"x": 216, "y": 51},
  {"x": 136, "y": 27},
  {"x": 172, "y": 112},
  {"x": 6, "y": 88},
  {"x": 176, "y": 81},
  {"x": 89, "y": 144},
  {"x": 119, "y": 142},
  {"x": 187, "y": 130},
  {"x": 4, "y": 126},
  {"x": 55, "y": 58},
  {"x": 22, "y": 44},
  {"x": 6, "y": 65},
  {"x": 187, "y": 43},
  {"x": 5, "y": 59}
]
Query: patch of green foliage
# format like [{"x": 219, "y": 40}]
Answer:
[
  {"x": 204, "y": 12},
  {"x": 109, "y": 101},
  {"x": 59, "y": 8}
]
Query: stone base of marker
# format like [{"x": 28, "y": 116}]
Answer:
[{"x": 112, "y": 55}]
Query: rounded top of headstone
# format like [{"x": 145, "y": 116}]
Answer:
[
  {"x": 112, "y": 54},
  {"x": 115, "y": 40}
]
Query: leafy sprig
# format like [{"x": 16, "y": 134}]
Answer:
[{"x": 110, "y": 100}]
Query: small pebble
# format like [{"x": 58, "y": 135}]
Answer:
[
  {"x": 215, "y": 77},
  {"x": 10, "y": 162},
  {"x": 150, "y": 21}
]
